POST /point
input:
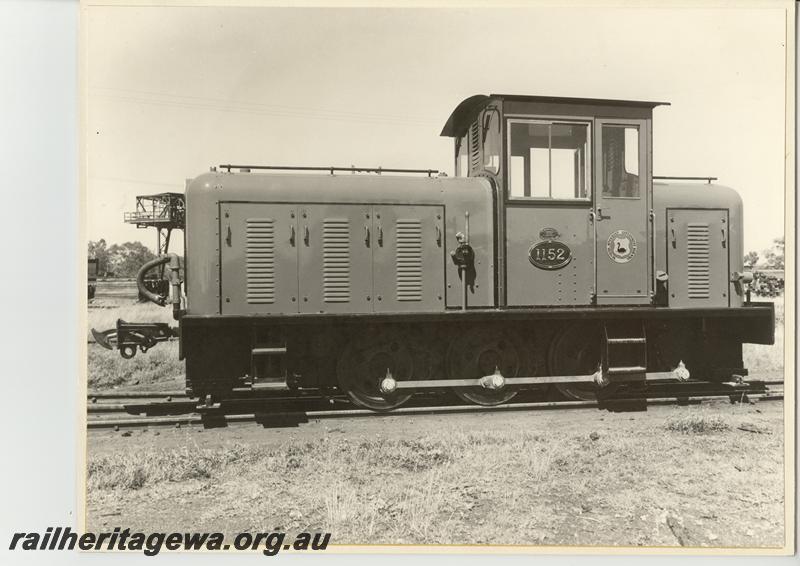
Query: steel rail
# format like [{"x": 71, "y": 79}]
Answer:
[
  {"x": 94, "y": 396},
  {"x": 213, "y": 419},
  {"x": 190, "y": 404},
  {"x": 151, "y": 393}
]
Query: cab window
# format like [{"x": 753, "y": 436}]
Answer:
[
  {"x": 549, "y": 160},
  {"x": 462, "y": 157},
  {"x": 491, "y": 140}
]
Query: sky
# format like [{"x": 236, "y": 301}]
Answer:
[{"x": 172, "y": 91}]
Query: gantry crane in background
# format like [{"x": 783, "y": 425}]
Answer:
[{"x": 165, "y": 212}]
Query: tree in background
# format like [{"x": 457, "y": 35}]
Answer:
[
  {"x": 774, "y": 256},
  {"x": 751, "y": 259},
  {"x": 127, "y": 258},
  {"x": 99, "y": 251},
  {"x": 120, "y": 260}
]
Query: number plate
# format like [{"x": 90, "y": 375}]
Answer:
[{"x": 550, "y": 255}]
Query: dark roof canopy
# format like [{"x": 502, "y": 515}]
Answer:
[{"x": 465, "y": 113}]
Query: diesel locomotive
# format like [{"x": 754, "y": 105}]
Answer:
[{"x": 552, "y": 258}]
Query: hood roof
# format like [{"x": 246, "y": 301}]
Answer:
[{"x": 464, "y": 114}]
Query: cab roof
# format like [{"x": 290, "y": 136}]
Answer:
[{"x": 465, "y": 113}]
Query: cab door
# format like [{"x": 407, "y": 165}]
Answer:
[
  {"x": 623, "y": 189},
  {"x": 549, "y": 234}
]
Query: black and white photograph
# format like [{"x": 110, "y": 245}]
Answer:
[{"x": 469, "y": 278}]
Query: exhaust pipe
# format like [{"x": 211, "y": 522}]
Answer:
[
  {"x": 174, "y": 279},
  {"x": 127, "y": 336}
]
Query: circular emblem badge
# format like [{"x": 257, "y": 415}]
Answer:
[{"x": 621, "y": 246}]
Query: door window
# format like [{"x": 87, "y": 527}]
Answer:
[
  {"x": 549, "y": 160},
  {"x": 620, "y": 161}
]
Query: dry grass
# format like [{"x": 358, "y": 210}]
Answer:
[
  {"x": 158, "y": 368},
  {"x": 500, "y": 486},
  {"x": 135, "y": 470}
]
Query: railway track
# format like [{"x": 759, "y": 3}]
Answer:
[
  {"x": 174, "y": 408},
  {"x": 116, "y": 289}
]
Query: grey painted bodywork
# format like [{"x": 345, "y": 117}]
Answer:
[
  {"x": 676, "y": 205},
  {"x": 220, "y": 288},
  {"x": 216, "y": 246}
]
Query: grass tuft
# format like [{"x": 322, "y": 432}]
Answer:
[
  {"x": 697, "y": 424},
  {"x": 134, "y": 470}
]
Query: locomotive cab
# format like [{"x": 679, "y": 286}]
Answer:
[{"x": 575, "y": 219}]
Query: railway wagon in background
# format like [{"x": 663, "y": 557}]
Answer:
[
  {"x": 552, "y": 258},
  {"x": 91, "y": 273}
]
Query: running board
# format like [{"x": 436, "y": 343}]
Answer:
[{"x": 269, "y": 386}]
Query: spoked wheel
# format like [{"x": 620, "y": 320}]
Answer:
[
  {"x": 366, "y": 361},
  {"x": 480, "y": 352},
  {"x": 576, "y": 351}
]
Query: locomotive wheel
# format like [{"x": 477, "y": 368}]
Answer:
[
  {"x": 576, "y": 351},
  {"x": 478, "y": 353},
  {"x": 365, "y": 363}
]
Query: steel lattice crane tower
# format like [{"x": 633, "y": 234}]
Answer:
[{"x": 165, "y": 212}]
